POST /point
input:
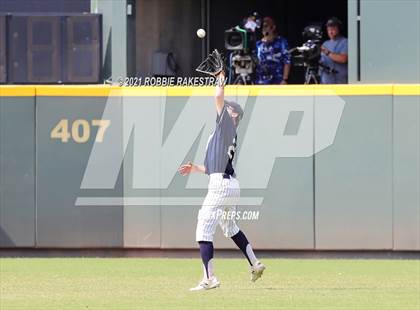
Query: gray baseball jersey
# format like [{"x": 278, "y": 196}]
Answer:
[{"x": 221, "y": 145}]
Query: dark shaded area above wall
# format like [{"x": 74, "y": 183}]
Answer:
[{"x": 37, "y": 6}]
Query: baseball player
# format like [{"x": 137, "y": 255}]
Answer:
[{"x": 223, "y": 190}]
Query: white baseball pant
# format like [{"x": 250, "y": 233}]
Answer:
[{"x": 221, "y": 199}]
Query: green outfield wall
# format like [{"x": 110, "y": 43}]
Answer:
[{"x": 324, "y": 167}]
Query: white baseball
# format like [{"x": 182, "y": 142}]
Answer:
[{"x": 201, "y": 33}]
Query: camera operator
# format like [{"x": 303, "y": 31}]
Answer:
[
  {"x": 273, "y": 57},
  {"x": 334, "y": 55}
]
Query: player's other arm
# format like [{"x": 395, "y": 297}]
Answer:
[
  {"x": 220, "y": 92},
  {"x": 191, "y": 168}
]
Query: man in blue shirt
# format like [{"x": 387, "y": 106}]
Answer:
[
  {"x": 273, "y": 56},
  {"x": 334, "y": 55}
]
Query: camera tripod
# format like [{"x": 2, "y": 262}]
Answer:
[
  {"x": 243, "y": 79},
  {"x": 312, "y": 72},
  {"x": 311, "y": 75}
]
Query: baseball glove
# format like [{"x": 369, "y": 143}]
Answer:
[{"x": 213, "y": 64}]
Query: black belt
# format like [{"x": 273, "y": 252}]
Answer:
[{"x": 226, "y": 176}]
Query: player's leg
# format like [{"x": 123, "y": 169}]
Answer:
[
  {"x": 231, "y": 230},
  {"x": 228, "y": 223},
  {"x": 207, "y": 252},
  {"x": 243, "y": 244},
  {"x": 257, "y": 268},
  {"x": 206, "y": 227},
  {"x": 208, "y": 218}
]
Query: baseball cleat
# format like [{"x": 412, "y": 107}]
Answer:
[
  {"x": 257, "y": 271},
  {"x": 206, "y": 284}
]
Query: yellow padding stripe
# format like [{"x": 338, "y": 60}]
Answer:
[
  {"x": 140, "y": 91},
  {"x": 272, "y": 90},
  {"x": 407, "y": 90},
  {"x": 17, "y": 91},
  {"x": 353, "y": 90}
]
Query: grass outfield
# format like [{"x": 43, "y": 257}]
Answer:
[{"x": 132, "y": 283}]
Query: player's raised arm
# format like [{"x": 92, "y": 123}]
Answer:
[
  {"x": 220, "y": 92},
  {"x": 214, "y": 65}
]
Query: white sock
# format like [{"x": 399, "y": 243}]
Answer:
[
  {"x": 251, "y": 254},
  {"x": 210, "y": 269}
]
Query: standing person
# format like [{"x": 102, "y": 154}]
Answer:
[
  {"x": 273, "y": 57},
  {"x": 223, "y": 190},
  {"x": 334, "y": 55}
]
